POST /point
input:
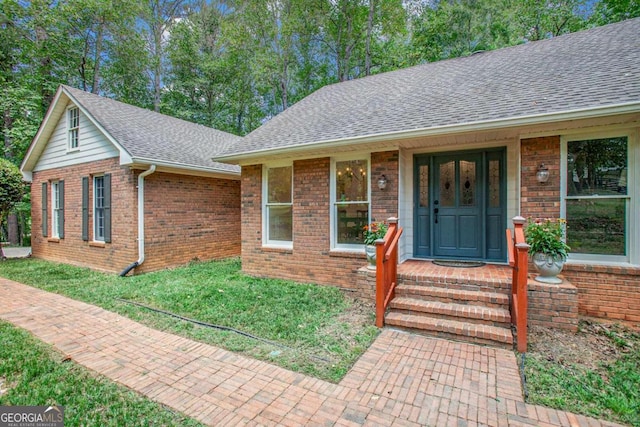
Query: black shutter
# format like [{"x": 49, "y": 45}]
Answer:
[
  {"x": 61, "y": 209},
  {"x": 45, "y": 217},
  {"x": 107, "y": 208},
  {"x": 85, "y": 208}
]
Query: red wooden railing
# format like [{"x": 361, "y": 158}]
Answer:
[
  {"x": 386, "y": 269},
  {"x": 518, "y": 259}
]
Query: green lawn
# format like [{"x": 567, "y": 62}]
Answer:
[
  {"x": 318, "y": 330},
  {"x": 32, "y": 373},
  {"x": 610, "y": 390}
]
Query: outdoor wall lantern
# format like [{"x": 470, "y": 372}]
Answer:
[
  {"x": 382, "y": 182},
  {"x": 543, "y": 173}
]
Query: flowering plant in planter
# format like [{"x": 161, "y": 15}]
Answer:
[
  {"x": 374, "y": 231},
  {"x": 546, "y": 236}
]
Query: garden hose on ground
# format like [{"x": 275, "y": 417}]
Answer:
[
  {"x": 219, "y": 327},
  {"x": 524, "y": 378}
]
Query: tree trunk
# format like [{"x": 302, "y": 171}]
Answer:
[
  {"x": 13, "y": 236},
  {"x": 95, "y": 87},
  {"x": 367, "y": 59}
]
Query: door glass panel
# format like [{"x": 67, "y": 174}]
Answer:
[
  {"x": 447, "y": 184},
  {"x": 467, "y": 183},
  {"x": 424, "y": 186},
  {"x": 494, "y": 183}
]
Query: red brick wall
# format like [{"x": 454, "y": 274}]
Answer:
[
  {"x": 540, "y": 200},
  {"x": 553, "y": 306},
  {"x": 72, "y": 249},
  {"x": 189, "y": 217},
  {"x": 605, "y": 291},
  {"x": 311, "y": 259},
  {"x": 186, "y": 218},
  {"x": 384, "y": 203}
]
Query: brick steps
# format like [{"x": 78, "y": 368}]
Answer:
[
  {"x": 487, "y": 299},
  {"x": 492, "y": 316},
  {"x": 452, "y": 329},
  {"x": 464, "y": 307}
]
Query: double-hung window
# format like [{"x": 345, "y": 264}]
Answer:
[
  {"x": 98, "y": 209},
  {"x": 350, "y": 199},
  {"x": 57, "y": 209},
  {"x": 278, "y": 197},
  {"x": 73, "y": 123},
  {"x": 597, "y": 200}
]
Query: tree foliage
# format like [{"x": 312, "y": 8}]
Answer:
[{"x": 11, "y": 187}]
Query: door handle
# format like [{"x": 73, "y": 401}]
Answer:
[{"x": 435, "y": 215}]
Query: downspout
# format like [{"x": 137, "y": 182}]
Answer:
[{"x": 140, "y": 260}]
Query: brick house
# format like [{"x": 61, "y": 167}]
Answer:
[
  {"x": 117, "y": 188},
  {"x": 453, "y": 149}
]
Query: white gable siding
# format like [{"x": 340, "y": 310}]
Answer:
[{"x": 92, "y": 146}]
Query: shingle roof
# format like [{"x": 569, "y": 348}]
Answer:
[
  {"x": 594, "y": 68},
  {"x": 151, "y": 136}
]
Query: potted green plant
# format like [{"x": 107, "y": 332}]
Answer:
[
  {"x": 373, "y": 232},
  {"x": 547, "y": 247}
]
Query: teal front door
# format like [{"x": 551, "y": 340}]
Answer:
[{"x": 459, "y": 205}]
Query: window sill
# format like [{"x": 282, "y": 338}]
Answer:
[
  {"x": 73, "y": 150},
  {"x": 53, "y": 240},
  {"x": 97, "y": 244}
]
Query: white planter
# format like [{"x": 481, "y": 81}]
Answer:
[
  {"x": 370, "y": 250},
  {"x": 548, "y": 268}
]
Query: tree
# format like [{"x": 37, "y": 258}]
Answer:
[
  {"x": 609, "y": 11},
  {"x": 11, "y": 190}
]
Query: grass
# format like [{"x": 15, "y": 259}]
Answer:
[
  {"x": 32, "y": 373},
  {"x": 318, "y": 330},
  {"x": 611, "y": 391}
]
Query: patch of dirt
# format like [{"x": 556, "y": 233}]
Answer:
[{"x": 594, "y": 343}]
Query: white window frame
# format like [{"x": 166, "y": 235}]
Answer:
[
  {"x": 333, "y": 220},
  {"x": 55, "y": 209},
  {"x": 73, "y": 129},
  {"x": 632, "y": 240},
  {"x": 96, "y": 235},
  {"x": 266, "y": 242}
]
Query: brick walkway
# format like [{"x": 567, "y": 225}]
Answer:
[{"x": 402, "y": 380}]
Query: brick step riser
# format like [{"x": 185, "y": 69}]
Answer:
[
  {"x": 476, "y": 286},
  {"x": 456, "y": 337},
  {"x": 453, "y": 316},
  {"x": 431, "y": 296}
]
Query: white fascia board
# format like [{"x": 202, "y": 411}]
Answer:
[
  {"x": 534, "y": 119},
  {"x": 182, "y": 166},
  {"x": 36, "y": 148}
]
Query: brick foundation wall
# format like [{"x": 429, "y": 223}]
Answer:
[
  {"x": 311, "y": 259},
  {"x": 186, "y": 217},
  {"x": 189, "y": 217},
  {"x": 553, "y": 306},
  {"x": 605, "y": 291},
  {"x": 72, "y": 249}
]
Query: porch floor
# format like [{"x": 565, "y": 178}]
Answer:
[{"x": 414, "y": 269}]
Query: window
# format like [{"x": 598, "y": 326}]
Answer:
[
  {"x": 73, "y": 119},
  {"x": 597, "y": 197},
  {"x": 350, "y": 198},
  {"x": 278, "y": 218},
  {"x": 55, "y": 209},
  {"x": 98, "y": 209},
  {"x": 101, "y": 206}
]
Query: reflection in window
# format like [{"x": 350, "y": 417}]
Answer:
[
  {"x": 597, "y": 198},
  {"x": 279, "y": 207},
  {"x": 351, "y": 201}
]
